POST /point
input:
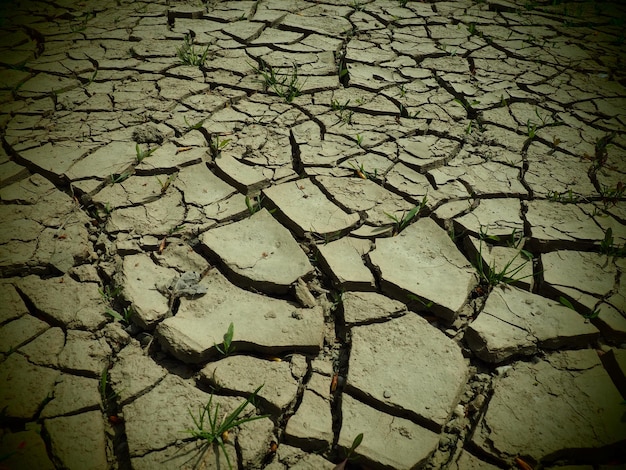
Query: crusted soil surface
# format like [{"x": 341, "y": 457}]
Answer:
[{"x": 400, "y": 220}]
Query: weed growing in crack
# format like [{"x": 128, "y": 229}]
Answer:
[
  {"x": 217, "y": 145},
  {"x": 142, "y": 154},
  {"x": 106, "y": 396},
  {"x": 166, "y": 183},
  {"x": 195, "y": 126},
  {"x": 125, "y": 317},
  {"x": 209, "y": 427},
  {"x": 567, "y": 197},
  {"x": 114, "y": 178},
  {"x": 400, "y": 223},
  {"x": 287, "y": 86},
  {"x": 362, "y": 173},
  {"x": 610, "y": 195},
  {"x": 359, "y": 140},
  {"x": 188, "y": 54},
  {"x": 589, "y": 316},
  {"x": 531, "y": 129},
  {"x": 345, "y": 115},
  {"x": 357, "y": 6},
  {"x": 110, "y": 294},
  {"x": 227, "y": 347},
  {"x": 253, "y": 205},
  {"x": 608, "y": 246},
  {"x": 509, "y": 273},
  {"x": 415, "y": 298},
  {"x": 355, "y": 443}
]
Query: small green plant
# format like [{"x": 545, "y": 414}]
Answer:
[
  {"x": 124, "y": 317},
  {"x": 608, "y": 246},
  {"x": 610, "y": 195},
  {"x": 567, "y": 197},
  {"x": 217, "y": 430},
  {"x": 356, "y": 5},
  {"x": 508, "y": 274},
  {"x": 227, "y": 346},
  {"x": 110, "y": 294},
  {"x": 362, "y": 173},
  {"x": 359, "y": 140},
  {"x": 287, "y": 86},
  {"x": 594, "y": 314},
  {"x": 142, "y": 154},
  {"x": 400, "y": 223},
  {"x": 167, "y": 182},
  {"x": 106, "y": 395},
  {"x": 195, "y": 126},
  {"x": 217, "y": 145},
  {"x": 253, "y": 205},
  {"x": 355, "y": 443},
  {"x": 337, "y": 106},
  {"x": 415, "y": 298},
  {"x": 531, "y": 129},
  {"x": 403, "y": 3},
  {"x": 337, "y": 298},
  {"x": 188, "y": 54},
  {"x": 118, "y": 178}
]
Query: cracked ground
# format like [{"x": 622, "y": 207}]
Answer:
[{"x": 403, "y": 221}]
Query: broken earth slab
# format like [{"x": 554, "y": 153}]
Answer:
[
  {"x": 402, "y": 445},
  {"x": 492, "y": 217},
  {"x": 20, "y": 331},
  {"x": 555, "y": 226},
  {"x": 26, "y": 387},
  {"x": 145, "y": 286},
  {"x": 25, "y": 449},
  {"x": 244, "y": 374},
  {"x": 42, "y": 227},
  {"x": 581, "y": 277},
  {"x": 78, "y": 441},
  {"x": 72, "y": 395},
  {"x": 311, "y": 427},
  {"x": 363, "y": 195},
  {"x": 433, "y": 369},
  {"x": 423, "y": 262},
  {"x": 563, "y": 407},
  {"x": 261, "y": 324},
  {"x": 84, "y": 354},
  {"x": 369, "y": 307},
  {"x": 270, "y": 260},
  {"x": 515, "y": 322},
  {"x": 76, "y": 305},
  {"x": 133, "y": 373},
  {"x": 304, "y": 208},
  {"x": 343, "y": 260}
]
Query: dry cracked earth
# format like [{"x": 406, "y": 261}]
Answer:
[{"x": 410, "y": 215}]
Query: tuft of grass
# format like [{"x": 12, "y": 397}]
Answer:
[
  {"x": 166, "y": 183},
  {"x": 287, "y": 86},
  {"x": 362, "y": 173},
  {"x": 188, "y": 54},
  {"x": 124, "y": 317},
  {"x": 507, "y": 275},
  {"x": 355, "y": 443},
  {"x": 608, "y": 246},
  {"x": 209, "y": 427},
  {"x": 227, "y": 346},
  {"x": 400, "y": 223},
  {"x": 594, "y": 314},
  {"x": 253, "y": 205},
  {"x": 142, "y": 154},
  {"x": 115, "y": 178},
  {"x": 217, "y": 145}
]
